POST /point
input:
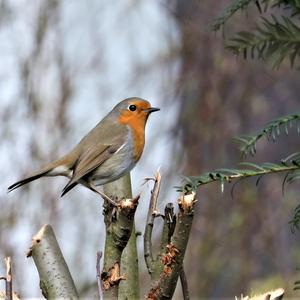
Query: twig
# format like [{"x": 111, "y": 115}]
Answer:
[
  {"x": 100, "y": 292},
  {"x": 8, "y": 284},
  {"x": 152, "y": 212},
  {"x": 184, "y": 285}
]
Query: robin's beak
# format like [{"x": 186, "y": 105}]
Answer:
[{"x": 151, "y": 109}]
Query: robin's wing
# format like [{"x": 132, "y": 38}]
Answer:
[{"x": 90, "y": 160}]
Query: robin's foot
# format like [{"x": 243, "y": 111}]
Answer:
[
  {"x": 156, "y": 214},
  {"x": 105, "y": 197}
]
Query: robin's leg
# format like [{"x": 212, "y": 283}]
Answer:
[{"x": 94, "y": 189}]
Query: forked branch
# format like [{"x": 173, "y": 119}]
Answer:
[{"x": 173, "y": 258}]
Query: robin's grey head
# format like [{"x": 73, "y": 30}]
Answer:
[{"x": 134, "y": 108}]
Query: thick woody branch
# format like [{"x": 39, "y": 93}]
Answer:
[
  {"x": 168, "y": 230},
  {"x": 55, "y": 278},
  {"x": 120, "y": 270},
  {"x": 173, "y": 259},
  {"x": 129, "y": 288},
  {"x": 152, "y": 212}
]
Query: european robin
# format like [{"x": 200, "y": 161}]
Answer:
[{"x": 106, "y": 153}]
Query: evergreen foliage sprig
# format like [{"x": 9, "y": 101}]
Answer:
[
  {"x": 272, "y": 40},
  {"x": 271, "y": 131},
  {"x": 237, "y": 5},
  {"x": 291, "y": 6},
  {"x": 290, "y": 165}
]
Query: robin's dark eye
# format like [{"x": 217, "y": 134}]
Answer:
[{"x": 132, "y": 107}]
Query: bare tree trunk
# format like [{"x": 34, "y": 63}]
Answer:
[{"x": 120, "y": 256}]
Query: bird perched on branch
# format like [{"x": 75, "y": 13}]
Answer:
[{"x": 106, "y": 153}]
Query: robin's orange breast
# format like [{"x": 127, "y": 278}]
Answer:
[{"x": 137, "y": 126}]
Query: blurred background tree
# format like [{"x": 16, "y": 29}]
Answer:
[
  {"x": 65, "y": 64},
  {"x": 249, "y": 244}
]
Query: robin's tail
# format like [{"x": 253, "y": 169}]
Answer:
[
  {"x": 57, "y": 167},
  {"x": 26, "y": 180}
]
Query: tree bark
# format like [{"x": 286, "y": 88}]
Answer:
[
  {"x": 55, "y": 278},
  {"x": 120, "y": 270}
]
